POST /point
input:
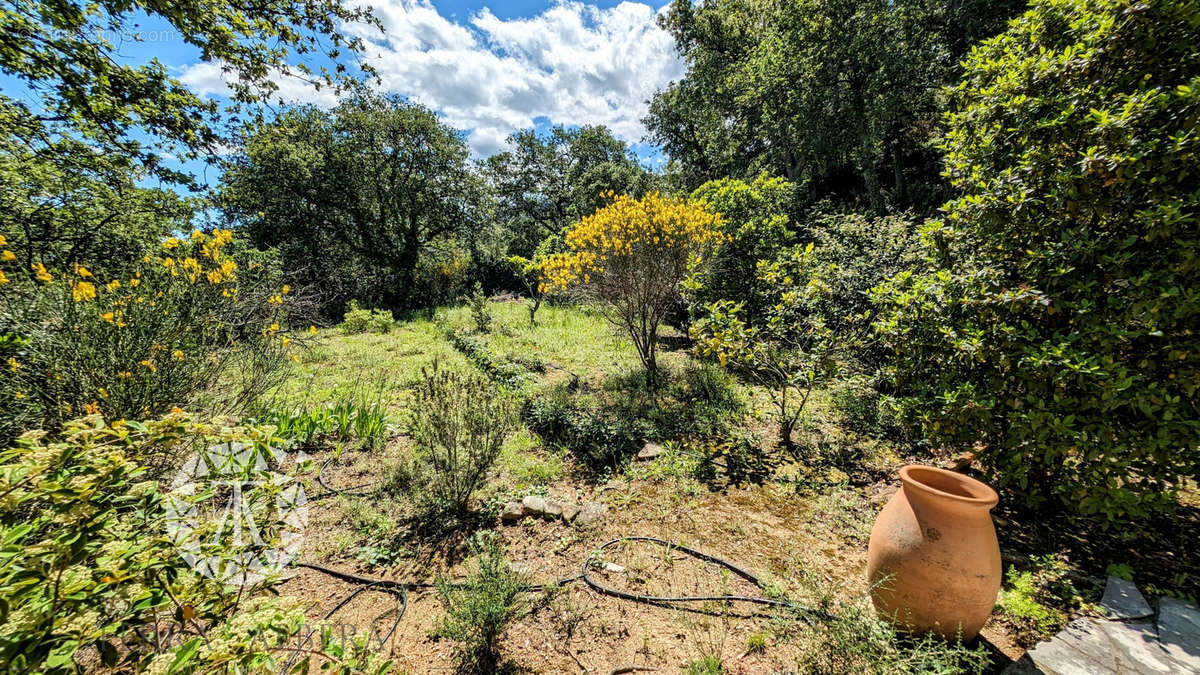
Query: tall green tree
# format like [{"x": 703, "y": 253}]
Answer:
[
  {"x": 79, "y": 207},
  {"x": 84, "y": 127},
  {"x": 545, "y": 182},
  {"x": 1057, "y": 322},
  {"x": 838, "y": 96},
  {"x": 64, "y": 52},
  {"x": 353, "y": 197}
]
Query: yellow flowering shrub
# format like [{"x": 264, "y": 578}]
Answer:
[
  {"x": 630, "y": 257},
  {"x": 139, "y": 344}
]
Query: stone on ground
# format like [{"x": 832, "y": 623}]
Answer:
[
  {"x": 534, "y": 505},
  {"x": 513, "y": 511},
  {"x": 553, "y": 509},
  {"x": 590, "y": 514},
  {"x": 1179, "y": 630},
  {"x": 570, "y": 511},
  {"x": 648, "y": 452},
  {"x": 1122, "y": 600}
]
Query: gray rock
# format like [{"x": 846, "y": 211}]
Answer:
[
  {"x": 1122, "y": 600},
  {"x": 1081, "y": 648},
  {"x": 534, "y": 505},
  {"x": 1096, "y": 646},
  {"x": 1135, "y": 647},
  {"x": 613, "y": 567},
  {"x": 512, "y": 512},
  {"x": 520, "y": 567},
  {"x": 590, "y": 514},
  {"x": 570, "y": 511},
  {"x": 1179, "y": 630},
  {"x": 648, "y": 452},
  {"x": 553, "y": 509}
]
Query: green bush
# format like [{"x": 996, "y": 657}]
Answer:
[
  {"x": 481, "y": 309},
  {"x": 480, "y": 608},
  {"x": 601, "y": 440},
  {"x": 459, "y": 422},
  {"x": 138, "y": 344},
  {"x": 754, "y": 217},
  {"x": 1057, "y": 322},
  {"x": 359, "y": 320}
]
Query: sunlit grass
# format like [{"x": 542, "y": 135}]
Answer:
[
  {"x": 393, "y": 360},
  {"x": 575, "y": 338}
]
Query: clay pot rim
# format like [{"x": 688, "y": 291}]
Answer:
[{"x": 982, "y": 493}]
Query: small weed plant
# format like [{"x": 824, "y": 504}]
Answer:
[
  {"x": 1033, "y": 601},
  {"x": 847, "y": 637},
  {"x": 480, "y": 609},
  {"x": 481, "y": 309}
]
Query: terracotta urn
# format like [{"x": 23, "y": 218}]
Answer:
[{"x": 934, "y": 562}]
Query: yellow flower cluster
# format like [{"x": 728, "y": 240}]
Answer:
[
  {"x": 221, "y": 271},
  {"x": 653, "y": 228}
]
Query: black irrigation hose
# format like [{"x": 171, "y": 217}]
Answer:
[
  {"x": 330, "y": 490},
  {"x": 657, "y": 599},
  {"x": 399, "y": 589}
]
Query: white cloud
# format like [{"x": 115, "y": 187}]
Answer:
[
  {"x": 573, "y": 63},
  {"x": 211, "y": 79}
]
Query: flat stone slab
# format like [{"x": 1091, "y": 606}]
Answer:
[
  {"x": 1090, "y": 646},
  {"x": 1122, "y": 600},
  {"x": 1179, "y": 631}
]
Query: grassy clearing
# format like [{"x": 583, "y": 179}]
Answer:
[
  {"x": 338, "y": 362},
  {"x": 583, "y": 395}
]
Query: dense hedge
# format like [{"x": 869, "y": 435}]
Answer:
[{"x": 1058, "y": 321}]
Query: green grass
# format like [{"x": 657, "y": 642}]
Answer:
[
  {"x": 574, "y": 338},
  {"x": 338, "y": 362}
]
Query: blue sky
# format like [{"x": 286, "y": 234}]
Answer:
[{"x": 488, "y": 68}]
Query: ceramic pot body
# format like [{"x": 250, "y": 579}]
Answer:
[{"x": 934, "y": 562}]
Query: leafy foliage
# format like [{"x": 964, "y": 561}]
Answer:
[
  {"x": 361, "y": 320},
  {"x": 88, "y": 569},
  {"x": 840, "y": 97},
  {"x": 796, "y": 349},
  {"x": 756, "y": 225},
  {"x": 631, "y": 257},
  {"x": 137, "y": 345},
  {"x": 372, "y": 186},
  {"x": 61, "y": 52},
  {"x": 81, "y": 208},
  {"x": 1056, "y": 321},
  {"x": 545, "y": 182}
]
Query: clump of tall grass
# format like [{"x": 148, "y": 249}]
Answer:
[{"x": 358, "y": 415}]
